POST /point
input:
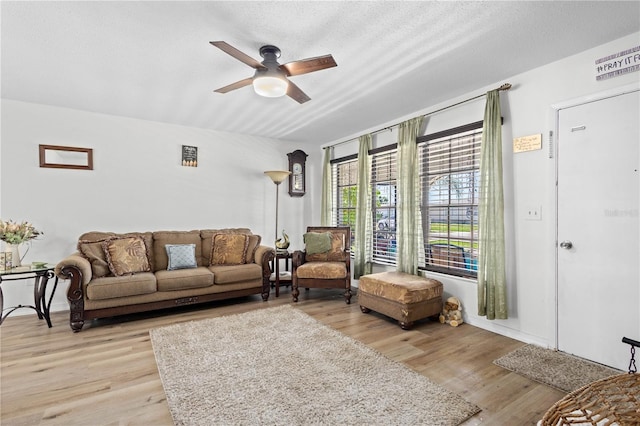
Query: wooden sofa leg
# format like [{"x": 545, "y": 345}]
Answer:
[{"x": 364, "y": 309}]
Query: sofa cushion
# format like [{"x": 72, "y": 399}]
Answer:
[
  {"x": 230, "y": 274},
  {"x": 181, "y": 256},
  {"x": 229, "y": 249},
  {"x": 322, "y": 270},
  {"x": 114, "y": 287},
  {"x": 162, "y": 238},
  {"x": 252, "y": 245},
  {"x": 335, "y": 254},
  {"x": 182, "y": 279},
  {"x": 126, "y": 255}
]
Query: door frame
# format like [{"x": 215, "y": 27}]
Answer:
[{"x": 553, "y": 154}]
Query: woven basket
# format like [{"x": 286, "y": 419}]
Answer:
[{"x": 614, "y": 400}]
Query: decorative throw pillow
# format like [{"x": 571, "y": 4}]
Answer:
[
  {"x": 126, "y": 256},
  {"x": 253, "y": 241},
  {"x": 181, "y": 256},
  {"x": 317, "y": 242},
  {"x": 94, "y": 253},
  {"x": 229, "y": 249}
]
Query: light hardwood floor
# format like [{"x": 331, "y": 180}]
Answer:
[{"x": 107, "y": 375}]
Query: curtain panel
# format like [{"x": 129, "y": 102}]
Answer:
[
  {"x": 363, "y": 261},
  {"x": 492, "y": 282},
  {"x": 326, "y": 214},
  {"x": 409, "y": 223}
]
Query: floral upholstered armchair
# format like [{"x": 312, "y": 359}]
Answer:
[{"x": 325, "y": 262}]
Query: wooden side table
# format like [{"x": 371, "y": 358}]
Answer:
[
  {"x": 276, "y": 277},
  {"x": 41, "y": 277}
]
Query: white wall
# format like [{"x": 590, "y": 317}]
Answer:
[
  {"x": 528, "y": 181},
  {"x": 138, "y": 182}
]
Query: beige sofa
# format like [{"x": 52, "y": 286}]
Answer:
[{"x": 114, "y": 274}]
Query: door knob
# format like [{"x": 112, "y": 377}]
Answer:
[{"x": 566, "y": 245}]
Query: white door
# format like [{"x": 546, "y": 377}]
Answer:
[{"x": 598, "y": 232}]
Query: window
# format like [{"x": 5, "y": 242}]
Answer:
[
  {"x": 449, "y": 176},
  {"x": 449, "y": 170},
  {"x": 384, "y": 174},
  {"x": 345, "y": 178}
]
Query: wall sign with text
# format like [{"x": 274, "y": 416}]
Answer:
[
  {"x": 527, "y": 143},
  {"x": 618, "y": 64}
]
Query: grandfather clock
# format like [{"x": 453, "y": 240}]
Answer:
[{"x": 297, "y": 178}]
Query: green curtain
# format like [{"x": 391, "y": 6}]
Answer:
[
  {"x": 492, "y": 282},
  {"x": 326, "y": 214},
  {"x": 363, "y": 227},
  {"x": 408, "y": 218}
]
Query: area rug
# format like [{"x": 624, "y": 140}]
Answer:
[
  {"x": 553, "y": 368},
  {"x": 279, "y": 366}
]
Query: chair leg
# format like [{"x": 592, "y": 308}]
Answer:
[{"x": 347, "y": 296}]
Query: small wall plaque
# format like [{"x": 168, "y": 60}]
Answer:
[
  {"x": 189, "y": 156},
  {"x": 527, "y": 143}
]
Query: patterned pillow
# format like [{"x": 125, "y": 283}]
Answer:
[
  {"x": 229, "y": 249},
  {"x": 181, "y": 256},
  {"x": 126, "y": 256}
]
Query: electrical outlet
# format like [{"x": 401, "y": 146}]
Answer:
[{"x": 532, "y": 213}]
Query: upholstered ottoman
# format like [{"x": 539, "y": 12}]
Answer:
[{"x": 404, "y": 297}]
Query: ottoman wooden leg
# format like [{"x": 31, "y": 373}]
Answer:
[
  {"x": 364, "y": 309},
  {"x": 405, "y": 325}
]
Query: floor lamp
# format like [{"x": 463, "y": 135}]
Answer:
[{"x": 277, "y": 176}]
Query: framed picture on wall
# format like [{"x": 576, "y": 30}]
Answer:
[{"x": 189, "y": 156}]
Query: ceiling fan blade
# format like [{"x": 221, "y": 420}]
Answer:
[
  {"x": 296, "y": 94},
  {"x": 242, "y": 57},
  {"x": 308, "y": 65},
  {"x": 234, "y": 86}
]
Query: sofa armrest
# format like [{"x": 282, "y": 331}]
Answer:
[
  {"x": 77, "y": 261},
  {"x": 77, "y": 270},
  {"x": 263, "y": 257}
]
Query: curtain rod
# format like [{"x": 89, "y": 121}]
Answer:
[{"x": 505, "y": 86}]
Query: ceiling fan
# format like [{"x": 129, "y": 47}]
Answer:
[{"x": 270, "y": 78}]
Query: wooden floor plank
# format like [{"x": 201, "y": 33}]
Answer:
[{"x": 107, "y": 375}]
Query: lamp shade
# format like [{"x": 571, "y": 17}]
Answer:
[
  {"x": 270, "y": 86},
  {"x": 277, "y": 176}
]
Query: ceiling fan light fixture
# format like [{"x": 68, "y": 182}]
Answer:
[{"x": 270, "y": 86}]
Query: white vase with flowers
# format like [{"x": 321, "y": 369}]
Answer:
[{"x": 14, "y": 234}]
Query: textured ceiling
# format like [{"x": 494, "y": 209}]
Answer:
[{"x": 153, "y": 60}]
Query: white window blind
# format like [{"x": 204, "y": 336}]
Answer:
[
  {"x": 449, "y": 174},
  {"x": 345, "y": 176},
  {"x": 384, "y": 174}
]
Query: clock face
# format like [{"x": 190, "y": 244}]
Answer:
[{"x": 297, "y": 168}]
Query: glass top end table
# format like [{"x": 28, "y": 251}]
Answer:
[{"x": 41, "y": 274}]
